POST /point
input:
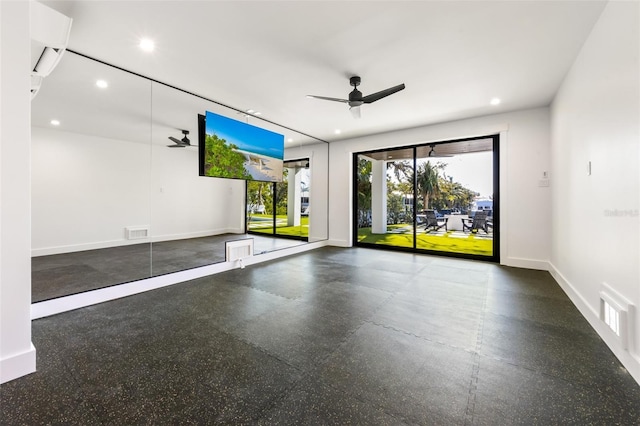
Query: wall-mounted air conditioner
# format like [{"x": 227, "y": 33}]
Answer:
[{"x": 50, "y": 31}]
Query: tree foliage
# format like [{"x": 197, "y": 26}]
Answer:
[
  {"x": 222, "y": 160},
  {"x": 428, "y": 181},
  {"x": 453, "y": 195},
  {"x": 364, "y": 182},
  {"x": 434, "y": 190},
  {"x": 261, "y": 194}
]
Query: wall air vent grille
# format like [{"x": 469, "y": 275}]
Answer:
[
  {"x": 136, "y": 232},
  {"x": 240, "y": 249},
  {"x": 614, "y": 312}
]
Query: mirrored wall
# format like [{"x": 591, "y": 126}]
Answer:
[{"x": 115, "y": 200}]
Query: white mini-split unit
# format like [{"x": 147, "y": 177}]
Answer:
[{"x": 50, "y": 31}]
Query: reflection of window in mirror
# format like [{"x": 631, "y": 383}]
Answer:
[{"x": 281, "y": 209}]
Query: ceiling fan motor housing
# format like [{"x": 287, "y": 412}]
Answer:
[{"x": 355, "y": 98}]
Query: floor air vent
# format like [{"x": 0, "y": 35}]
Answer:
[{"x": 136, "y": 232}]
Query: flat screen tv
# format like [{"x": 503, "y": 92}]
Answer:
[{"x": 232, "y": 149}]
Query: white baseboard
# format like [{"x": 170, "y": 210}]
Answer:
[
  {"x": 199, "y": 234},
  {"x": 338, "y": 243},
  {"x": 18, "y": 365},
  {"x": 517, "y": 262},
  {"x": 629, "y": 360},
  {"x": 72, "y": 248}
]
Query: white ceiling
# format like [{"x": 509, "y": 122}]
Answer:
[{"x": 453, "y": 56}]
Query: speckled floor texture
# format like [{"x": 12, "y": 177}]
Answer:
[
  {"x": 329, "y": 337},
  {"x": 70, "y": 273}
]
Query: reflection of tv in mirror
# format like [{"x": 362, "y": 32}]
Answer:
[{"x": 232, "y": 149}]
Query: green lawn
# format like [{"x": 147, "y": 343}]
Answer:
[
  {"x": 453, "y": 242},
  {"x": 264, "y": 225}
]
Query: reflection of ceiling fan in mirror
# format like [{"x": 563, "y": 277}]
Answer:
[
  {"x": 434, "y": 154},
  {"x": 180, "y": 143},
  {"x": 356, "y": 99}
]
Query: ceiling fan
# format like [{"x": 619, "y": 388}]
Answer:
[
  {"x": 356, "y": 99},
  {"x": 180, "y": 143}
]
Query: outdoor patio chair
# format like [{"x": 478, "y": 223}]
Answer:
[
  {"x": 479, "y": 221},
  {"x": 434, "y": 222}
]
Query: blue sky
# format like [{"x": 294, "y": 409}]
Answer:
[{"x": 245, "y": 136}]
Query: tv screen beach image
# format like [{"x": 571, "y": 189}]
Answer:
[{"x": 238, "y": 150}]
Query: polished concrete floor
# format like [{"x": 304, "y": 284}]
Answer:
[
  {"x": 70, "y": 273},
  {"x": 331, "y": 336}
]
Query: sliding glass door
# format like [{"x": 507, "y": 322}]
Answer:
[
  {"x": 385, "y": 199},
  {"x": 439, "y": 198},
  {"x": 281, "y": 209}
]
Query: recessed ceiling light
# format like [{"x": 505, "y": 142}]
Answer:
[
  {"x": 102, "y": 84},
  {"x": 337, "y": 131},
  {"x": 495, "y": 101},
  {"x": 257, "y": 113},
  {"x": 55, "y": 122},
  {"x": 147, "y": 44},
  {"x": 289, "y": 140},
  {"x": 250, "y": 111}
]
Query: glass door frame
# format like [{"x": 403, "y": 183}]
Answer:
[
  {"x": 274, "y": 196},
  {"x": 494, "y": 257}
]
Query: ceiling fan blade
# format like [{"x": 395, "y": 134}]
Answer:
[
  {"x": 382, "y": 94},
  {"x": 176, "y": 146},
  {"x": 355, "y": 111},
  {"x": 177, "y": 141},
  {"x": 324, "y": 98}
]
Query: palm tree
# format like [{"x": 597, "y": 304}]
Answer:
[
  {"x": 402, "y": 169},
  {"x": 428, "y": 185}
]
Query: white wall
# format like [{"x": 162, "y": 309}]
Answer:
[
  {"x": 186, "y": 205},
  {"x": 17, "y": 354},
  {"x": 318, "y": 155},
  {"x": 79, "y": 181},
  {"x": 595, "y": 219},
  {"x": 524, "y": 156}
]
